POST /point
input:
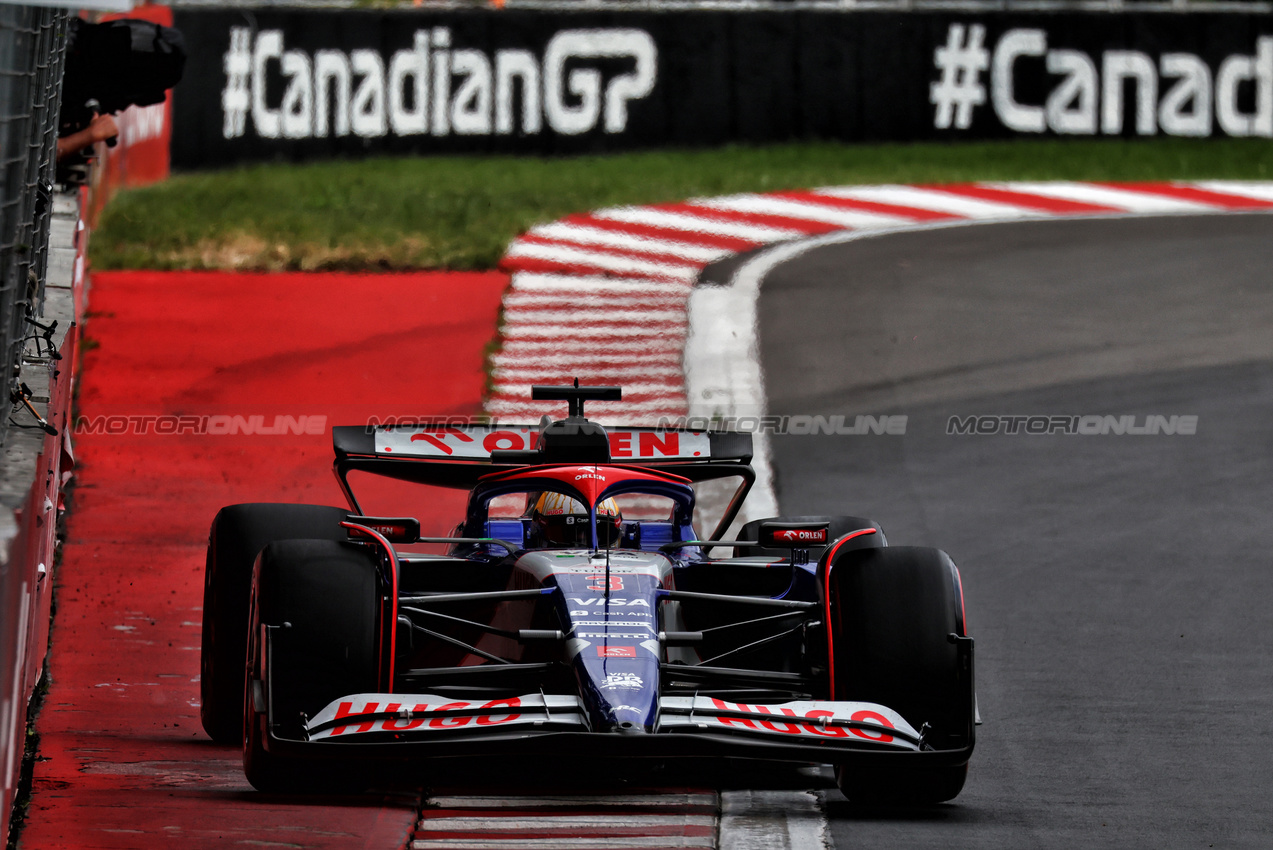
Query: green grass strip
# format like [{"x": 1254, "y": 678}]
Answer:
[{"x": 460, "y": 212}]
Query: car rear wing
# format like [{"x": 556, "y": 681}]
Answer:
[
  {"x": 475, "y": 443},
  {"x": 457, "y": 456}
]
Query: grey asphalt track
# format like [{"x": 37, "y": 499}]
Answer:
[{"x": 1120, "y": 588}]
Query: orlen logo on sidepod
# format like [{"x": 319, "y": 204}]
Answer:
[{"x": 800, "y": 535}]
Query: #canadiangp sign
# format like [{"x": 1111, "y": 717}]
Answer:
[
  {"x": 299, "y": 84},
  {"x": 1040, "y": 83},
  {"x": 268, "y": 84},
  {"x": 432, "y": 87}
]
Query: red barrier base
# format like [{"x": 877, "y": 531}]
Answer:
[{"x": 125, "y": 763}]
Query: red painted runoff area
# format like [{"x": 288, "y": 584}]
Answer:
[{"x": 201, "y": 390}]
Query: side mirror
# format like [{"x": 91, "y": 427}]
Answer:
[
  {"x": 792, "y": 535},
  {"x": 393, "y": 529}
]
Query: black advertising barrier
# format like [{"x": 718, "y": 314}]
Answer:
[{"x": 264, "y": 84}]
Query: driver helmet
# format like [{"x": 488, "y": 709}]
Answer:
[{"x": 563, "y": 522}]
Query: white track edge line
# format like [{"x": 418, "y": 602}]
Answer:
[{"x": 772, "y": 820}]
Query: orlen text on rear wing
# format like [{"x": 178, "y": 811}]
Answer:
[{"x": 474, "y": 443}]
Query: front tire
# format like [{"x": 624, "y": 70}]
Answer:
[
  {"x": 238, "y": 533},
  {"x": 318, "y": 600},
  {"x": 893, "y": 611},
  {"x": 917, "y": 786}
]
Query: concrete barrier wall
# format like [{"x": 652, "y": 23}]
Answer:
[{"x": 26, "y": 578}]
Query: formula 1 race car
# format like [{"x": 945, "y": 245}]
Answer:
[{"x": 576, "y": 611}]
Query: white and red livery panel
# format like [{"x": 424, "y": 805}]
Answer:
[
  {"x": 425, "y": 713},
  {"x": 789, "y": 719},
  {"x": 476, "y": 442},
  {"x": 363, "y": 713}
]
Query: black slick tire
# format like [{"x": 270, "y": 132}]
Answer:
[
  {"x": 893, "y": 611},
  {"x": 318, "y": 600},
  {"x": 238, "y": 534}
]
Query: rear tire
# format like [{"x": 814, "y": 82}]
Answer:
[
  {"x": 238, "y": 533},
  {"x": 892, "y": 612},
  {"x": 328, "y": 595}
]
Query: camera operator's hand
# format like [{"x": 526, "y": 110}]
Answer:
[{"x": 101, "y": 129}]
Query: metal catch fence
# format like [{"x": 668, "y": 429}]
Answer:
[{"x": 32, "y": 56}]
